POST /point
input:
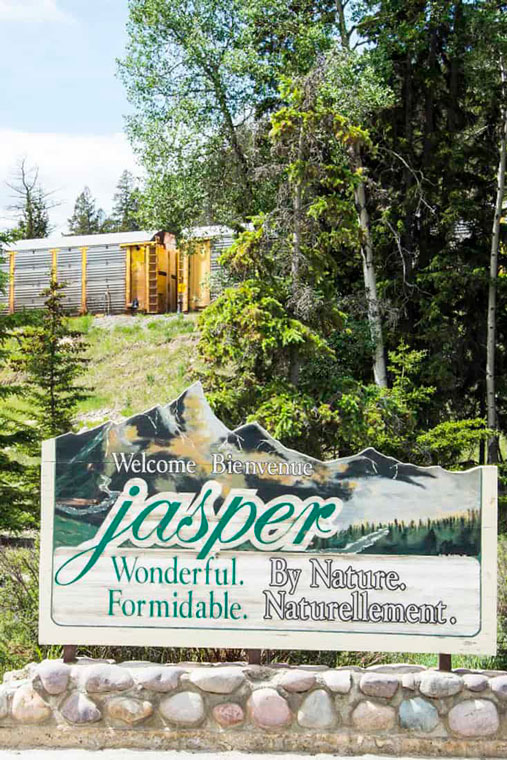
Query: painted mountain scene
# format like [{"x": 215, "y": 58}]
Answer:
[{"x": 389, "y": 508}]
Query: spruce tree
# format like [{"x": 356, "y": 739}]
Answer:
[
  {"x": 18, "y": 507},
  {"x": 86, "y": 219},
  {"x": 126, "y": 204},
  {"x": 52, "y": 358}
]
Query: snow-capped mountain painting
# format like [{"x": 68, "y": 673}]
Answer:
[{"x": 388, "y": 507}]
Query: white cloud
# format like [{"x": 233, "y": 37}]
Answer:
[
  {"x": 67, "y": 163},
  {"x": 32, "y": 10}
]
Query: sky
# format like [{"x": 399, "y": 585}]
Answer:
[{"x": 62, "y": 106}]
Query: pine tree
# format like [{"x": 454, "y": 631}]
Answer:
[
  {"x": 126, "y": 204},
  {"x": 86, "y": 219},
  {"x": 52, "y": 358}
]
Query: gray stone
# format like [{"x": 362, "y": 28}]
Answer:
[
  {"x": 418, "y": 715},
  {"x": 317, "y": 710},
  {"x": 379, "y": 685},
  {"x": 184, "y": 709},
  {"x": 296, "y": 681},
  {"x": 54, "y": 676},
  {"x": 4, "y": 703},
  {"x": 102, "y": 678},
  {"x": 268, "y": 709},
  {"x": 29, "y": 707},
  {"x": 220, "y": 680},
  {"x": 129, "y": 710},
  {"x": 337, "y": 681},
  {"x": 411, "y": 681},
  {"x": 369, "y": 716},
  {"x": 474, "y": 717},
  {"x": 79, "y": 709},
  {"x": 498, "y": 686},
  {"x": 475, "y": 681},
  {"x": 160, "y": 679},
  {"x": 438, "y": 684}
]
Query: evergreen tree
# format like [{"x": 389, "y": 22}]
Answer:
[
  {"x": 52, "y": 358},
  {"x": 18, "y": 508},
  {"x": 126, "y": 204},
  {"x": 86, "y": 219}
]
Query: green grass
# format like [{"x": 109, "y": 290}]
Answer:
[{"x": 132, "y": 367}]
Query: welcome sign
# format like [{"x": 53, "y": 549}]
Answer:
[{"x": 169, "y": 529}]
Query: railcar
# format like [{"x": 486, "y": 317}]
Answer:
[{"x": 117, "y": 272}]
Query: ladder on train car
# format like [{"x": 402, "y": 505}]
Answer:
[{"x": 152, "y": 279}]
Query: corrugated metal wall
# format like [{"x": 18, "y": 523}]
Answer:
[
  {"x": 105, "y": 269},
  {"x": 218, "y": 246},
  {"x": 69, "y": 272},
  {"x": 31, "y": 276}
]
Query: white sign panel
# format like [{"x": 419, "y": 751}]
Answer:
[{"x": 171, "y": 530}]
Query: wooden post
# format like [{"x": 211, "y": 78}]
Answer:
[
  {"x": 253, "y": 656},
  {"x": 84, "y": 307},
  {"x": 12, "y": 272},
  {"x": 445, "y": 662},
  {"x": 69, "y": 653}
]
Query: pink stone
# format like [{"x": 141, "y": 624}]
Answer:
[
  {"x": 369, "y": 716},
  {"x": 474, "y": 717},
  {"x": 268, "y": 709},
  {"x": 228, "y": 714}
]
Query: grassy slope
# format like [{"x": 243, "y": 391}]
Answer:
[{"x": 135, "y": 365}]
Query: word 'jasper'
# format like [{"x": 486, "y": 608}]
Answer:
[{"x": 190, "y": 520}]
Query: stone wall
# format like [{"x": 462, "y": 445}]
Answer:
[{"x": 399, "y": 709}]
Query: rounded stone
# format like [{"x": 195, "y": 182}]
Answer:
[
  {"x": 474, "y": 717},
  {"x": 54, "y": 676},
  {"x": 128, "y": 710},
  {"x": 317, "y": 710},
  {"x": 268, "y": 709},
  {"x": 228, "y": 714},
  {"x": 221, "y": 680},
  {"x": 369, "y": 716},
  {"x": 379, "y": 685},
  {"x": 418, "y": 715},
  {"x": 337, "y": 681},
  {"x": 498, "y": 686},
  {"x": 79, "y": 709},
  {"x": 29, "y": 707},
  {"x": 438, "y": 685},
  {"x": 102, "y": 678},
  {"x": 4, "y": 704},
  {"x": 411, "y": 681},
  {"x": 159, "y": 679},
  {"x": 475, "y": 681},
  {"x": 184, "y": 709},
  {"x": 296, "y": 681}
]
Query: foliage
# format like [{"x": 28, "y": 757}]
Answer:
[
  {"x": 51, "y": 359},
  {"x": 86, "y": 218},
  {"x": 125, "y": 214}
]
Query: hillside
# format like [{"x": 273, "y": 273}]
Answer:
[{"x": 135, "y": 363}]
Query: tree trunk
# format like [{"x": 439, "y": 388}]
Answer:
[
  {"x": 295, "y": 358},
  {"x": 370, "y": 278},
  {"x": 493, "y": 272}
]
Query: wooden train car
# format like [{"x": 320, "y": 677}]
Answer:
[{"x": 117, "y": 272}]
